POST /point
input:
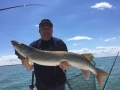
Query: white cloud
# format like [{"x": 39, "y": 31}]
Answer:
[
  {"x": 110, "y": 48},
  {"x": 8, "y": 57},
  {"x": 109, "y": 51},
  {"x": 9, "y": 60},
  {"x": 102, "y": 5},
  {"x": 83, "y": 50},
  {"x": 75, "y": 44},
  {"x": 106, "y": 40},
  {"x": 100, "y": 51},
  {"x": 80, "y": 38},
  {"x": 37, "y": 25}
]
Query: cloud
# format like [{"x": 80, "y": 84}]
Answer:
[
  {"x": 75, "y": 44},
  {"x": 80, "y": 38},
  {"x": 37, "y": 25},
  {"x": 110, "y": 48},
  {"x": 83, "y": 50},
  {"x": 100, "y": 51},
  {"x": 9, "y": 60},
  {"x": 102, "y": 5},
  {"x": 8, "y": 57},
  {"x": 106, "y": 40}
]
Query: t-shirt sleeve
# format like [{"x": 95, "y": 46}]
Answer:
[
  {"x": 63, "y": 46},
  {"x": 60, "y": 45}
]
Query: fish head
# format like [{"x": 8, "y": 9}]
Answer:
[{"x": 21, "y": 48}]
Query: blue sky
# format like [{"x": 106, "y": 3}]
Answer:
[{"x": 85, "y": 27}]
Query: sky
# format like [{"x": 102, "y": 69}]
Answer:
[{"x": 85, "y": 26}]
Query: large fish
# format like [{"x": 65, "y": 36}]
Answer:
[{"x": 54, "y": 58}]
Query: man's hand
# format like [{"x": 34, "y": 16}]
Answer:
[
  {"x": 27, "y": 64},
  {"x": 63, "y": 67}
]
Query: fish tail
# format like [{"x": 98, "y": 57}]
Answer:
[{"x": 101, "y": 74}]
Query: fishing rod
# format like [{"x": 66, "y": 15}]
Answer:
[
  {"x": 21, "y": 6},
  {"x": 12, "y": 35},
  {"x": 31, "y": 86},
  {"x": 110, "y": 71}
]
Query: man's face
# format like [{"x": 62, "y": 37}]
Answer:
[{"x": 45, "y": 32}]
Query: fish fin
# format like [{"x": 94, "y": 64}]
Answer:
[
  {"x": 100, "y": 76},
  {"x": 66, "y": 63},
  {"x": 31, "y": 63},
  {"x": 86, "y": 73},
  {"x": 88, "y": 56}
]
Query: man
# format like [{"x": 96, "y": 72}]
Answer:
[{"x": 47, "y": 77}]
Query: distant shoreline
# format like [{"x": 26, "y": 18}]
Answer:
[{"x": 10, "y": 65}]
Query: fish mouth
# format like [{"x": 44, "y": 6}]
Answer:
[{"x": 14, "y": 43}]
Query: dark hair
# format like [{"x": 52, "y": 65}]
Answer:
[{"x": 45, "y": 21}]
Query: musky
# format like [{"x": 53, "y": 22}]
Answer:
[{"x": 85, "y": 26}]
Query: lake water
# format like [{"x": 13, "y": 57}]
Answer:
[{"x": 16, "y": 77}]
